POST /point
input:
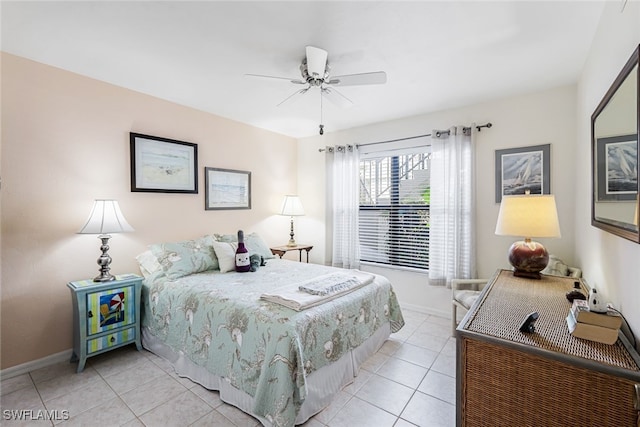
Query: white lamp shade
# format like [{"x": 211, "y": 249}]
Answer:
[
  {"x": 105, "y": 217},
  {"x": 528, "y": 216},
  {"x": 291, "y": 206}
]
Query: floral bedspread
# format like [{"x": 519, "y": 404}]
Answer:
[{"x": 264, "y": 349}]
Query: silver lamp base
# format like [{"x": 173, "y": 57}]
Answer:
[
  {"x": 104, "y": 260},
  {"x": 292, "y": 241}
]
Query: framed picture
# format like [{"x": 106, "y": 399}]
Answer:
[
  {"x": 227, "y": 189},
  {"x": 523, "y": 169},
  {"x": 162, "y": 165},
  {"x": 617, "y": 167}
]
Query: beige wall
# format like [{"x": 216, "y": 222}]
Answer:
[{"x": 65, "y": 142}]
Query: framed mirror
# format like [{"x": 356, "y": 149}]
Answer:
[{"x": 615, "y": 125}]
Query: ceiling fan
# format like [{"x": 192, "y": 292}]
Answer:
[{"x": 315, "y": 72}]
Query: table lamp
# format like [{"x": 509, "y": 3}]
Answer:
[
  {"x": 528, "y": 216},
  {"x": 105, "y": 218},
  {"x": 291, "y": 206}
]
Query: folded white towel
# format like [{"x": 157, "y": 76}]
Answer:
[
  {"x": 329, "y": 284},
  {"x": 292, "y": 297}
]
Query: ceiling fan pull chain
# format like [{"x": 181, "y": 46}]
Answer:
[{"x": 321, "y": 125}]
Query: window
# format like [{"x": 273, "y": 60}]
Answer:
[{"x": 394, "y": 209}]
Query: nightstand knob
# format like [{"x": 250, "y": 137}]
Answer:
[
  {"x": 113, "y": 339},
  {"x": 89, "y": 314}
]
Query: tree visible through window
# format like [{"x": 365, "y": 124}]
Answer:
[{"x": 394, "y": 209}]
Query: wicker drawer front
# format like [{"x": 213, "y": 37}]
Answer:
[{"x": 506, "y": 387}]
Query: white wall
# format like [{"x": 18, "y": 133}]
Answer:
[
  {"x": 610, "y": 263},
  {"x": 560, "y": 117},
  {"x": 541, "y": 118}
]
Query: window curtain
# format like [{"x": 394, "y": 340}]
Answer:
[
  {"x": 343, "y": 185},
  {"x": 452, "y": 217}
]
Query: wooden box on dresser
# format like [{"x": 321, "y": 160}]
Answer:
[
  {"x": 106, "y": 315},
  {"x": 546, "y": 378}
]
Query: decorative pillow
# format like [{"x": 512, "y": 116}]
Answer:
[
  {"x": 252, "y": 241},
  {"x": 225, "y": 238},
  {"x": 256, "y": 245},
  {"x": 556, "y": 267},
  {"x": 187, "y": 257},
  {"x": 226, "y": 254},
  {"x": 148, "y": 263}
]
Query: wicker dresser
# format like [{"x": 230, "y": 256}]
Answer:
[{"x": 544, "y": 379}]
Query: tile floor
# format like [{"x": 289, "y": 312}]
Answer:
[{"x": 409, "y": 381}]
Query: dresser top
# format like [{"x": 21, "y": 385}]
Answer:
[{"x": 507, "y": 300}]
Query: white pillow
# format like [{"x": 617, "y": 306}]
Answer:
[
  {"x": 148, "y": 263},
  {"x": 226, "y": 254}
]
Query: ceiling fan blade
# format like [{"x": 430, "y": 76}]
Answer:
[
  {"x": 375, "y": 78},
  {"x": 293, "y": 95},
  {"x": 316, "y": 61},
  {"x": 336, "y": 97},
  {"x": 289, "y": 79}
]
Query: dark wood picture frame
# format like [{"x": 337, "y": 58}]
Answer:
[
  {"x": 163, "y": 165},
  {"x": 523, "y": 169},
  {"x": 618, "y": 216},
  {"x": 617, "y": 158},
  {"x": 227, "y": 189}
]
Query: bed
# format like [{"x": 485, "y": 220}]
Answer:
[{"x": 279, "y": 364}]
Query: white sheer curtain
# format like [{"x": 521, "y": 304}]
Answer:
[
  {"x": 452, "y": 211},
  {"x": 343, "y": 193}
]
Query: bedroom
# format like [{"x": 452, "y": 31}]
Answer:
[{"x": 65, "y": 143}]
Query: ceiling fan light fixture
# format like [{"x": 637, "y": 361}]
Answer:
[
  {"x": 315, "y": 72},
  {"x": 316, "y": 61}
]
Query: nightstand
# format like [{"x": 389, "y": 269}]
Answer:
[
  {"x": 106, "y": 315},
  {"x": 281, "y": 250}
]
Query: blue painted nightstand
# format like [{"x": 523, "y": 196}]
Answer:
[{"x": 106, "y": 315}]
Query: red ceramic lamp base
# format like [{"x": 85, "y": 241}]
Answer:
[{"x": 528, "y": 258}]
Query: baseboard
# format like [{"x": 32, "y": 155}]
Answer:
[{"x": 24, "y": 368}]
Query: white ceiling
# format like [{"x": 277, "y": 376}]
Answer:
[{"x": 437, "y": 55}]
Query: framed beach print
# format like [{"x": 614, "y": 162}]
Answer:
[
  {"x": 227, "y": 189},
  {"x": 617, "y": 158},
  {"x": 163, "y": 165},
  {"x": 521, "y": 170}
]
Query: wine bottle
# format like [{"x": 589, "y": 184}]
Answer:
[{"x": 243, "y": 263}]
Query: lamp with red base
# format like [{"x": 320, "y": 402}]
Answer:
[{"x": 528, "y": 216}]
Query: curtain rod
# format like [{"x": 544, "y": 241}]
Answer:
[{"x": 438, "y": 133}]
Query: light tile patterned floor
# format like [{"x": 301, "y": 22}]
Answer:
[{"x": 409, "y": 381}]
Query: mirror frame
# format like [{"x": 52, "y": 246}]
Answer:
[{"x": 611, "y": 227}]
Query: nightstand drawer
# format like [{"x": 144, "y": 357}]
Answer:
[
  {"x": 111, "y": 340},
  {"x": 110, "y": 309}
]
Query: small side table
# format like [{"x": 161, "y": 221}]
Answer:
[
  {"x": 281, "y": 250},
  {"x": 106, "y": 315}
]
